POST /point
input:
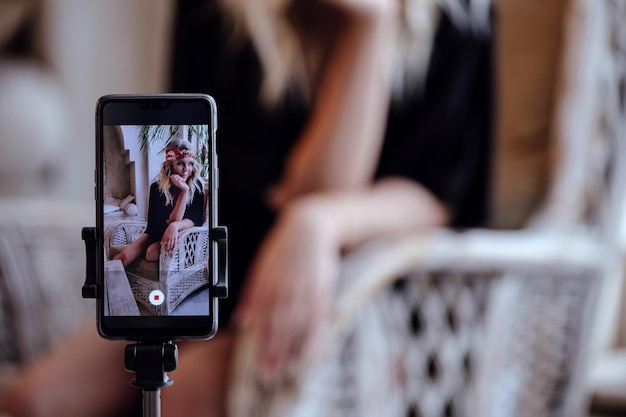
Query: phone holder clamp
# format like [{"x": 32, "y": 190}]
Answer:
[
  {"x": 90, "y": 236},
  {"x": 219, "y": 288},
  {"x": 152, "y": 359}
]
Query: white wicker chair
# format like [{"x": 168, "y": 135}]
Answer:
[
  {"x": 178, "y": 274},
  {"x": 483, "y": 323},
  {"x": 40, "y": 276}
]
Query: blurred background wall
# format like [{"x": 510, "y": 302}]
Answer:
[{"x": 102, "y": 47}]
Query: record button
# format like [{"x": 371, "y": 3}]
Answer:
[{"x": 156, "y": 298}]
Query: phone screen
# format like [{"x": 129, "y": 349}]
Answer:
[{"x": 156, "y": 198}]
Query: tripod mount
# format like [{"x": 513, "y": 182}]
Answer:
[{"x": 151, "y": 360}]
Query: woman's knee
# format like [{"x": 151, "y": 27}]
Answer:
[
  {"x": 122, "y": 256},
  {"x": 153, "y": 252}
]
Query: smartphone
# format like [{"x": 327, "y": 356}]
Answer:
[{"x": 159, "y": 271}]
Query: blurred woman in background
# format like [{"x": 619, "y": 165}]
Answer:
[{"x": 339, "y": 121}]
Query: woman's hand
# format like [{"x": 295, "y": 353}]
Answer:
[
  {"x": 291, "y": 287},
  {"x": 292, "y": 284},
  {"x": 179, "y": 182},
  {"x": 170, "y": 237}
]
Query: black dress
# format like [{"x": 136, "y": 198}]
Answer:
[
  {"x": 440, "y": 137},
  {"x": 159, "y": 211}
]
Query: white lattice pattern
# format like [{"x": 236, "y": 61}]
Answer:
[{"x": 178, "y": 274}]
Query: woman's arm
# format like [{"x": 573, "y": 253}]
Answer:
[
  {"x": 391, "y": 205},
  {"x": 169, "y": 241},
  {"x": 292, "y": 282},
  {"x": 176, "y": 221},
  {"x": 340, "y": 146},
  {"x": 178, "y": 212}
]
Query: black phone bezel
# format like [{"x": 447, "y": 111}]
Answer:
[{"x": 133, "y": 109}]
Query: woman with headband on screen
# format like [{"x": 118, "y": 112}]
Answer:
[{"x": 176, "y": 203}]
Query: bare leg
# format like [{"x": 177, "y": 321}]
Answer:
[
  {"x": 134, "y": 250},
  {"x": 153, "y": 252},
  {"x": 199, "y": 388},
  {"x": 83, "y": 377}
]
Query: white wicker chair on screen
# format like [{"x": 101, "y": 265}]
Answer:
[
  {"x": 490, "y": 323},
  {"x": 177, "y": 275}
]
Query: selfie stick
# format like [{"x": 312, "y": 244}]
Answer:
[{"x": 152, "y": 359}]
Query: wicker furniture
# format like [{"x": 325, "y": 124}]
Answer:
[
  {"x": 42, "y": 268},
  {"x": 177, "y": 275},
  {"x": 484, "y": 322}
]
